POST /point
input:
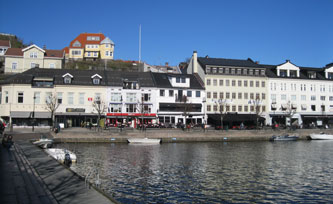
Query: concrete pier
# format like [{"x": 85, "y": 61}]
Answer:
[{"x": 29, "y": 175}]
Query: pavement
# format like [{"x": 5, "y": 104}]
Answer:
[{"x": 29, "y": 175}]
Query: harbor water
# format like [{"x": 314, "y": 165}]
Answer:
[{"x": 225, "y": 172}]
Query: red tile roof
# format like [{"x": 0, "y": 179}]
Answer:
[
  {"x": 48, "y": 53},
  {"x": 66, "y": 50},
  {"x": 82, "y": 38},
  {"x": 5, "y": 43}
]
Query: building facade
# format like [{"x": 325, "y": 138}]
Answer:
[
  {"x": 18, "y": 60},
  {"x": 90, "y": 46},
  {"x": 236, "y": 90},
  {"x": 4, "y": 45}
]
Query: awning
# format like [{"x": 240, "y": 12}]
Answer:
[
  {"x": 284, "y": 106},
  {"x": 76, "y": 114},
  {"x": 274, "y": 106},
  {"x": 235, "y": 117},
  {"x": 29, "y": 114},
  {"x": 294, "y": 106},
  {"x": 303, "y": 106}
]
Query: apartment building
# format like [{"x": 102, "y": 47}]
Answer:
[
  {"x": 90, "y": 46},
  {"x": 18, "y": 60},
  {"x": 301, "y": 96},
  {"x": 179, "y": 99},
  {"x": 235, "y": 89}
]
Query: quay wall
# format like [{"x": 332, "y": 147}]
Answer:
[{"x": 176, "y": 135}]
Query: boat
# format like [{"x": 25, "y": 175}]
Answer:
[
  {"x": 61, "y": 155},
  {"x": 321, "y": 136},
  {"x": 43, "y": 143},
  {"x": 143, "y": 141},
  {"x": 285, "y": 137}
]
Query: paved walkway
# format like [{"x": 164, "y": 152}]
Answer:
[{"x": 28, "y": 175}]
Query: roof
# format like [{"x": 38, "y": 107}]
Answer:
[
  {"x": 204, "y": 61},
  {"x": 5, "y": 43},
  {"x": 48, "y": 53},
  {"x": 107, "y": 41},
  {"x": 82, "y": 38},
  {"x": 66, "y": 50},
  {"x": 162, "y": 80}
]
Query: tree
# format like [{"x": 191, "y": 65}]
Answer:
[
  {"x": 187, "y": 107},
  {"x": 258, "y": 110},
  {"x": 100, "y": 108},
  {"x": 52, "y": 105},
  {"x": 289, "y": 111},
  {"x": 222, "y": 103}
]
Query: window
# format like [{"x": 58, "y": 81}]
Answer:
[
  {"x": 313, "y": 98},
  {"x": 246, "y": 95},
  {"x": 76, "y": 52},
  {"x": 67, "y": 80},
  {"x": 162, "y": 92},
  {"x": 263, "y": 84},
  {"x": 293, "y": 97},
  {"x": 257, "y": 83},
  {"x": 52, "y": 65},
  {"x": 215, "y": 95},
  {"x": 208, "y": 70},
  {"x": 234, "y": 108},
  {"x": 59, "y": 96},
  {"x": 116, "y": 97},
  {"x": 177, "y": 79},
  {"x": 322, "y": 98},
  {"x": 233, "y": 71},
  {"x": 292, "y": 73},
  {"x": 227, "y": 82},
  {"x": 106, "y": 45},
  {"x": 81, "y": 98},
  {"x": 208, "y": 82},
  {"x": 208, "y": 95},
  {"x": 189, "y": 93},
  {"x": 14, "y": 65},
  {"x": 246, "y": 108},
  {"x": 106, "y": 53},
  {"x": 197, "y": 94},
  {"x": 115, "y": 108},
  {"x": 214, "y": 70},
  {"x": 263, "y": 108},
  {"x": 233, "y": 95},
  {"x": 251, "y": 95},
  {"x": 146, "y": 96},
  {"x": 131, "y": 97},
  {"x": 283, "y": 97},
  {"x": 283, "y": 73},
  {"x": 221, "y": 95},
  {"x": 130, "y": 108},
  {"x": 240, "y": 108},
  {"x": 239, "y": 83},
  {"x": 170, "y": 93},
  {"x": 227, "y": 95},
  {"x": 37, "y": 97},
  {"x": 20, "y": 97},
  {"x": 96, "y": 81},
  {"x": 239, "y": 95},
  {"x": 76, "y": 44},
  {"x": 251, "y": 83},
  {"x": 111, "y": 54},
  {"x": 215, "y": 108},
  {"x": 98, "y": 98},
  {"x": 313, "y": 107},
  {"x": 263, "y": 96},
  {"x": 183, "y": 80},
  {"x": 214, "y": 82},
  {"x": 245, "y": 83},
  {"x": 208, "y": 108},
  {"x": 322, "y": 108},
  {"x": 70, "y": 98},
  {"x": 331, "y": 98},
  {"x": 250, "y": 71},
  {"x": 33, "y": 54},
  {"x": 221, "y": 82},
  {"x": 48, "y": 97},
  {"x": 273, "y": 97},
  {"x": 6, "y": 97},
  {"x": 303, "y": 97},
  {"x": 233, "y": 83}
]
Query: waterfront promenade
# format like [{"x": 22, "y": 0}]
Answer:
[{"x": 28, "y": 175}]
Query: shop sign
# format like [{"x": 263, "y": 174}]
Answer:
[{"x": 75, "y": 110}]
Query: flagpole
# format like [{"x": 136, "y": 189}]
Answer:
[{"x": 140, "y": 43}]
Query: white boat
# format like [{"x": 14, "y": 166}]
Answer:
[
  {"x": 321, "y": 136},
  {"x": 284, "y": 137},
  {"x": 61, "y": 154},
  {"x": 43, "y": 143},
  {"x": 144, "y": 141}
]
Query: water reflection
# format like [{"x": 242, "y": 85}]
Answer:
[{"x": 252, "y": 172}]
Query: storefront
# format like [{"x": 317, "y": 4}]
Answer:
[
  {"x": 130, "y": 119},
  {"x": 76, "y": 117}
]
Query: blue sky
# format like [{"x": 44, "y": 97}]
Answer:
[{"x": 266, "y": 31}]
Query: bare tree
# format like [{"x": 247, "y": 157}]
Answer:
[
  {"x": 258, "y": 110},
  {"x": 51, "y": 106},
  {"x": 222, "y": 104},
  {"x": 289, "y": 111},
  {"x": 187, "y": 107},
  {"x": 100, "y": 108}
]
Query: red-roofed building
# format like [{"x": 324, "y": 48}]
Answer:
[
  {"x": 4, "y": 45},
  {"x": 90, "y": 46},
  {"x": 21, "y": 59}
]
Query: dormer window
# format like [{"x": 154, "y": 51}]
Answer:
[
  {"x": 283, "y": 73},
  {"x": 293, "y": 73},
  {"x": 96, "y": 79},
  {"x": 262, "y": 72},
  {"x": 33, "y": 54},
  {"x": 312, "y": 75},
  {"x": 330, "y": 75},
  {"x": 208, "y": 70},
  {"x": 76, "y": 44},
  {"x": 130, "y": 85},
  {"x": 67, "y": 78}
]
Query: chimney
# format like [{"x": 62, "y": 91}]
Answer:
[
  {"x": 195, "y": 62},
  {"x": 44, "y": 47},
  {"x": 287, "y": 60},
  {"x": 167, "y": 64}
]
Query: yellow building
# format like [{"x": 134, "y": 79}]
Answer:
[{"x": 90, "y": 46}]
